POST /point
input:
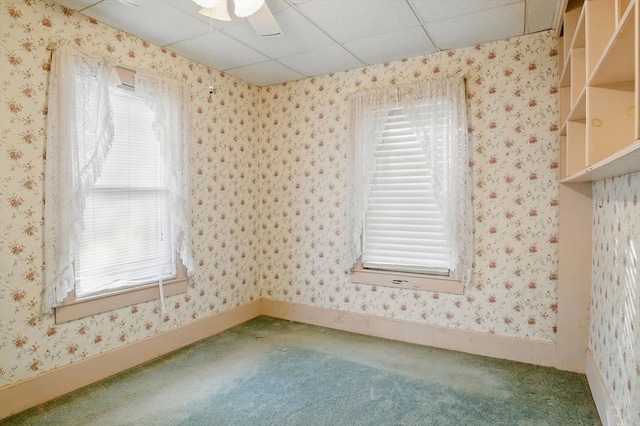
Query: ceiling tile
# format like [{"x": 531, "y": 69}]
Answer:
[
  {"x": 391, "y": 46},
  {"x": 540, "y": 15},
  {"x": 78, "y": 4},
  {"x": 145, "y": 20},
  {"x": 347, "y": 20},
  {"x": 439, "y": 10},
  {"x": 192, "y": 9},
  {"x": 265, "y": 73},
  {"x": 493, "y": 24},
  {"x": 298, "y": 35},
  {"x": 322, "y": 61},
  {"x": 218, "y": 51}
]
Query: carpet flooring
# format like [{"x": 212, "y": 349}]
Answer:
[{"x": 275, "y": 372}]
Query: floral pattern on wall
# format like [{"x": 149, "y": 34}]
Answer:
[
  {"x": 223, "y": 204},
  {"x": 512, "y": 112},
  {"x": 615, "y": 297},
  {"x": 268, "y": 191}
]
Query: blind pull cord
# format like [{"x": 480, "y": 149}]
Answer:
[{"x": 161, "y": 288}]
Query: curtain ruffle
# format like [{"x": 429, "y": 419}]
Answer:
[{"x": 447, "y": 152}]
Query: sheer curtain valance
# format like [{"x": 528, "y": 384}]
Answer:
[
  {"x": 80, "y": 132},
  {"x": 436, "y": 112}
]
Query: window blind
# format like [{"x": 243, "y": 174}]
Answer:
[
  {"x": 127, "y": 239},
  {"x": 404, "y": 229}
]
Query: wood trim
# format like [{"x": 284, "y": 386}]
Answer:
[
  {"x": 31, "y": 392},
  {"x": 529, "y": 351},
  {"x": 80, "y": 308},
  {"x": 606, "y": 409},
  {"x": 408, "y": 280},
  {"x": 574, "y": 275}
]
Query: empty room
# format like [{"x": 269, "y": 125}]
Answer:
[{"x": 320, "y": 212}]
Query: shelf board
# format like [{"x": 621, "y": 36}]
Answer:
[
  {"x": 617, "y": 64},
  {"x": 579, "y": 36},
  {"x": 621, "y": 163},
  {"x": 565, "y": 77},
  {"x": 579, "y": 110}
]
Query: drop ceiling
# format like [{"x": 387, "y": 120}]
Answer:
[{"x": 321, "y": 36}]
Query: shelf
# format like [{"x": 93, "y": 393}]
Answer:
[
  {"x": 617, "y": 64},
  {"x": 563, "y": 157},
  {"x": 621, "y": 8},
  {"x": 636, "y": 8},
  {"x": 579, "y": 111},
  {"x": 571, "y": 21},
  {"x": 599, "y": 91},
  {"x": 565, "y": 76},
  {"x": 621, "y": 163},
  {"x": 600, "y": 23},
  {"x": 578, "y": 73},
  {"x": 565, "y": 104},
  {"x": 610, "y": 120}
]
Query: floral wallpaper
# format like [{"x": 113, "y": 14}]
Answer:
[
  {"x": 268, "y": 191},
  {"x": 512, "y": 112},
  {"x": 224, "y": 201},
  {"x": 615, "y": 293}
]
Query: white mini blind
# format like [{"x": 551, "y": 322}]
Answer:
[
  {"x": 404, "y": 228},
  {"x": 127, "y": 239}
]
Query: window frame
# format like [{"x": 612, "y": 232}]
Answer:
[
  {"x": 444, "y": 281},
  {"x": 73, "y": 308},
  {"x": 391, "y": 113}
]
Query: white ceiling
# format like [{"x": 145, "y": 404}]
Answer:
[{"x": 321, "y": 36}]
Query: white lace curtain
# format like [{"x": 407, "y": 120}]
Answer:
[
  {"x": 79, "y": 135},
  {"x": 447, "y": 152}
]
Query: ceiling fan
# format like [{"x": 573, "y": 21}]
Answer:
[{"x": 256, "y": 11}]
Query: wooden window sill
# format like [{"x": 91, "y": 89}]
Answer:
[
  {"x": 80, "y": 308},
  {"x": 406, "y": 280}
]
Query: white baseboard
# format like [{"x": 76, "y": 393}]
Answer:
[
  {"x": 31, "y": 392},
  {"x": 34, "y": 391},
  {"x": 514, "y": 349},
  {"x": 606, "y": 409}
]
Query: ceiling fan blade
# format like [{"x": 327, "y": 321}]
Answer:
[{"x": 264, "y": 23}]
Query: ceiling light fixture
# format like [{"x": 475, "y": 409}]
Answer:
[
  {"x": 245, "y": 8},
  {"x": 218, "y": 9},
  {"x": 209, "y": 4}
]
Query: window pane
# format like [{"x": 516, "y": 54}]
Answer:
[
  {"x": 127, "y": 239},
  {"x": 404, "y": 228}
]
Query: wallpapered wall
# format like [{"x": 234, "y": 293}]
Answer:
[
  {"x": 298, "y": 196},
  {"x": 615, "y": 315},
  {"x": 512, "y": 108},
  {"x": 224, "y": 173}
]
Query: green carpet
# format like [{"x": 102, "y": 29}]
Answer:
[{"x": 273, "y": 372}]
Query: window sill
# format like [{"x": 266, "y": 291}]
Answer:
[
  {"x": 406, "y": 280},
  {"x": 80, "y": 308}
]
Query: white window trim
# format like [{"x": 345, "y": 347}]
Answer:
[
  {"x": 366, "y": 105},
  {"x": 405, "y": 280},
  {"x": 72, "y": 309},
  {"x": 58, "y": 297}
]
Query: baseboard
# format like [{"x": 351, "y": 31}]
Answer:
[
  {"x": 606, "y": 410},
  {"x": 31, "y": 392},
  {"x": 514, "y": 349}
]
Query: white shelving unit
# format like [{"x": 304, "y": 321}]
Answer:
[{"x": 600, "y": 90}]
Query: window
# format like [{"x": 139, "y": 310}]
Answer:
[
  {"x": 116, "y": 188},
  {"x": 404, "y": 229},
  {"x": 410, "y": 201},
  {"x": 127, "y": 237}
]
